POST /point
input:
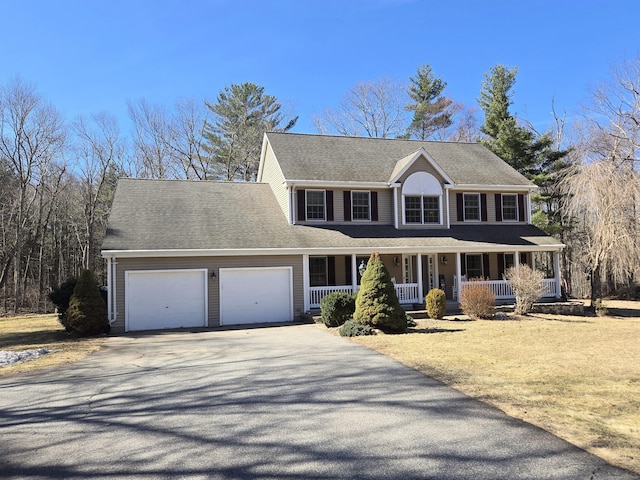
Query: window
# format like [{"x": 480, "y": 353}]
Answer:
[
  {"x": 315, "y": 205},
  {"x": 510, "y": 207},
  {"x": 474, "y": 266},
  {"x": 508, "y": 260},
  {"x": 471, "y": 206},
  {"x": 318, "y": 272},
  {"x": 421, "y": 209},
  {"x": 360, "y": 206}
]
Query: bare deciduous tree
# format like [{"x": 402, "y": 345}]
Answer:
[{"x": 369, "y": 109}]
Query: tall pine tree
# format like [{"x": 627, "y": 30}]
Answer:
[{"x": 431, "y": 110}]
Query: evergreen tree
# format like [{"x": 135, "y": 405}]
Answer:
[
  {"x": 87, "y": 312},
  {"x": 431, "y": 110},
  {"x": 532, "y": 154},
  {"x": 377, "y": 304},
  {"x": 241, "y": 115}
]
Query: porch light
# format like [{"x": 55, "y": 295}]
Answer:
[
  {"x": 362, "y": 268},
  {"x": 444, "y": 260}
]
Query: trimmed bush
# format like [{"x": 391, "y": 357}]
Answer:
[
  {"x": 477, "y": 300},
  {"x": 61, "y": 295},
  {"x": 336, "y": 308},
  {"x": 436, "y": 303},
  {"x": 377, "y": 304},
  {"x": 87, "y": 312},
  {"x": 355, "y": 329},
  {"x": 528, "y": 286}
]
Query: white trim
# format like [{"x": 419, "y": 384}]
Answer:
[
  {"x": 419, "y": 268},
  {"x": 127, "y": 297},
  {"x": 556, "y": 274},
  {"x": 448, "y": 222},
  {"x": 464, "y": 209},
  {"x": 491, "y": 188},
  {"x": 221, "y": 272},
  {"x": 109, "y": 287},
  {"x": 306, "y": 282},
  {"x": 306, "y": 200},
  {"x": 317, "y": 184},
  {"x": 423, "y": 223},
  {"x": 395, "y": 191},
  {"x": 422, "y": 152},
  {"x": 360, "y": 220},
  {"x": 263, "y": 155},
  {"x": 517, "y": 219}
]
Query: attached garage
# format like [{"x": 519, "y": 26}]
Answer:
[
  {"x": 158, "y": 299},
  {"x": 256, "y": 295}
]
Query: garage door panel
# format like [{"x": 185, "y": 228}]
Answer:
[
  {"x": 166, "y": 299},
  {"x": 260, "y": 295}
]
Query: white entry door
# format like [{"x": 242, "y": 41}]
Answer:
[{"x": 256, "y": 295}]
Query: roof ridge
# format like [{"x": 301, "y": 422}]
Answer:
[{"x": 372, "y": 138}]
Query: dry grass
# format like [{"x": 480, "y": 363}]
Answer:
[
  {"x": 577, "y": 377},
  {"x": 42, "y": 331}
]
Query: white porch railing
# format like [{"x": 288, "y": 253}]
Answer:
[
  {"x": 407, "y": 293},
  {"x": 502, "y": 289}
]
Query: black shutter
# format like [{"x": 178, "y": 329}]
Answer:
[
  {"x": 485, "y": 265},
  {"x": 347, "y": 269},
  {"x": 483, "y": 205},
  {"x": 347, "y": 206},
  {"x": 498, "y": 208},
  {"x": 500, "y": 265},
  {"x": 374, "y": 206},
  {"x": 460, "y": 207},
  {"x": 463, "y": 264},
  {"x": 521, "y": 208},
  {"x": 329, "y": 197},
  {"x": 302, "y": 213},
  {"x": 331, "y": 267}
]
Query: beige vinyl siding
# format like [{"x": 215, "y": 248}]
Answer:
[
  {"x": 385, "y": 207},
  {"x": 422, "y": 165},
  {"x": 213, "y": 264},
  {"x": 272, "y": 174},
  {"x": 491, "y": 206}
]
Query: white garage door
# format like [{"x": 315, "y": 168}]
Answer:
[
  {"x": 255, "y": 295},
  {"x": 157, "y": 299}
]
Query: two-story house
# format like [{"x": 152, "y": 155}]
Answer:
[{"x": 196, "y": 253}]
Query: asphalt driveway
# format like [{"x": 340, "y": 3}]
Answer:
[{"x": 289, "y": 402}]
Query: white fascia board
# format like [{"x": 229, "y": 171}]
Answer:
[
  {"x": 323, "y": 184},
  {"x": 422, "y": 152},
  {"x": 491, "y": 188},
  {"x": 484, "y": 248},
  {"x": 263, "y": 153}
]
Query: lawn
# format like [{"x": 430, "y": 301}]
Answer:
[
  {"x": 28, "y": 332},
  {"x": 577, "y": 377}
]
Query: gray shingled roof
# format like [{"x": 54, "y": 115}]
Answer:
[
  {"x": 185, "y": 215},
  {"x": 334, "y": 159}
]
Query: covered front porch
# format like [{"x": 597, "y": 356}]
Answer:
[{"x": 414, "y": 274}]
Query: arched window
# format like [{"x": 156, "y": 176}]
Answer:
[{"x": 422, "y": 199}]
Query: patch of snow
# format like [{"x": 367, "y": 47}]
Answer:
[{"x": 8, "y": 357}]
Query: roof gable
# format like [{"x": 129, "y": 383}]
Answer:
[{"x": 405, "y": 164}]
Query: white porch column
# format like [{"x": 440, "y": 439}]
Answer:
[
  {"x": 109, "y": 287},
  {"x": 420, "y": 286},
  {"x": 305, "y": 282},
  {"x": 354, "y": 273},
  {"x": 556, "y": 273},
  {"x": 516, "y": 259},
  {"x": 395, "y": 206},
  {"x": 458, "y": 275}
]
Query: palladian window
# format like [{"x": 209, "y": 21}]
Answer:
[{"x": 422, "y": 200}]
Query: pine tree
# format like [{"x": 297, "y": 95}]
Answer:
[
  {"x": 87, "y": 312},
  {"x": 377, "y": 304},
  {"x": 242, "y": 114},
  {"x": 431, "y": 110}
]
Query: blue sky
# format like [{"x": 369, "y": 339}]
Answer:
[{"x": 87, "y": 56}]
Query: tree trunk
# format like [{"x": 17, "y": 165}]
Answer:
[{"x": 596, "y": 285}]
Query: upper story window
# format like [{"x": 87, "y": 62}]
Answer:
[
  {"x": 361, "y": 206},
  {"x": 471, "y": 206},
  {"x": 510, "y": 207},
  {"x": 422, "y": 199},
  {"x": 316, "y": 205}
]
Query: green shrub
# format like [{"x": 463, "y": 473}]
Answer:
[
  {"x": 355, "y": 329},
  {"x": 410, "y": 321},
  {"x": 87, "y": 312},
  {"x": 336, "y": 308},
  {"x": 436, "y": 302},
  {"x": 61, "y": 295},
  {"x": 477, "y": 300},
  {"x": 377, "y": 304}
]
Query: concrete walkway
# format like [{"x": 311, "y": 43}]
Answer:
[{"x": 289, "y": 402}]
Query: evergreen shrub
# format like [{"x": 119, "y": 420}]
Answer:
[
  {"x": 336, "y": 308},
  {"x": 61, "y": 295},
  {"x": 355, "y": 329},
  {"x": 87, "y": 312},
  {"x": 436, "y": 303},
  {"x": 377, "y": 304}
]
